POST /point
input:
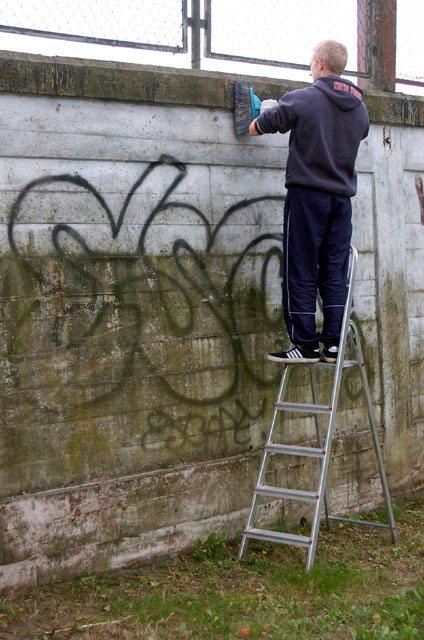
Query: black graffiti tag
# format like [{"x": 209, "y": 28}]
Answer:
[{"x": 189, "y": 277}]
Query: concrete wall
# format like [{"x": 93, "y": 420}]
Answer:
[{"x": 140, "y": 243}]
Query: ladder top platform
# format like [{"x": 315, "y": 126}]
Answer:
[{"x": 320, "y": 365}]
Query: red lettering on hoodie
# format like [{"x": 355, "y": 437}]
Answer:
[
  {"x": 356, "y": 93},
  {"x": 347, "y": 88},
  {"x": 341, "y": 86}
]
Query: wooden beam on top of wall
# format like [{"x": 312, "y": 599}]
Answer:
[{"x": 377, "y": 43}]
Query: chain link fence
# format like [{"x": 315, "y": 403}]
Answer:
[
  {"x": 276, "y": 34},
  {"x": 283, "y": 34},
  {"x": 129, "y": 23},
  {"x": 410, "y": 42}
]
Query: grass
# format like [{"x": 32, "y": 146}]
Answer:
[{"x": 362, "y": 588}]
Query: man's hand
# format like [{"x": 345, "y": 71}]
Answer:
[
  {"x": 252, "y": 129},
  {"x": 265, "y": 104}
]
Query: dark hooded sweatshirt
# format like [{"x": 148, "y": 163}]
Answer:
[{"x": 327, "y": 121}]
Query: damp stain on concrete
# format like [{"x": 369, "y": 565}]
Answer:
[{"x": 419, "y": 186}]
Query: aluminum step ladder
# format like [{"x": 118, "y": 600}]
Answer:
[{"x": 323, "y": 451}]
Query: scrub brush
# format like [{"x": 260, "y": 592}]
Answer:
[{"x": 246, "y": 107}]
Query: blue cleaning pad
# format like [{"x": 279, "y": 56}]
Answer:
[{"x": 255, "y": 103}]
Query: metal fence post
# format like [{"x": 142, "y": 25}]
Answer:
[
  {"x": 377, "y": 43},
  {"x": 195, "y": 24}
]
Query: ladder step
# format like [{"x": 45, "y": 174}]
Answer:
[
  {"x": 276, "y": 536},
  {"x": 295, "y": 450},
  {"x": 331, "y": 365},
  {"x": 300, "y": 406},
  {"x": 292, "y": 494}
]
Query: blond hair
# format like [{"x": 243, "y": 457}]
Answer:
[{"x": 333, "y": 53}]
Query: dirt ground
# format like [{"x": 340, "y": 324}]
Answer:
[{"x": 362, "y": 587}]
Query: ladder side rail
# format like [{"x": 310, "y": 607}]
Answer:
[
  {"x": 334, "y": 401},
  {"x": 281, "y": 392},
  {"x": 314, "y": 387},
  {"x": 374, "y": 430}
]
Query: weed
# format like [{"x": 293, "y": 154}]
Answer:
[{"x": 213, "y": 548}]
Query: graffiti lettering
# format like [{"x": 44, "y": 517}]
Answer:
[
  {"x": 188, "y": 278},
  {"x": 196, "y": 431},
  {"x": 153, "y": 305}
]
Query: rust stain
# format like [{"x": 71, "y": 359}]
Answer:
[
  {"x": 419, "y": 185},
  {"x": 387, "y": 141}
]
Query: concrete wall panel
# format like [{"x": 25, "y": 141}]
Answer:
[{"x": 140, "y": 292}]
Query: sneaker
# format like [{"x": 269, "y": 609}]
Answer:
[
  {"x": 330, "y": 354},
  {"x": 295, "y": 355}
]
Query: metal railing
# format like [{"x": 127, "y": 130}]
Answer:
[
  {"x": 409, "y": 43},
  {"x": 122, "y": 23},
  {"x": 275, "y": 10}
]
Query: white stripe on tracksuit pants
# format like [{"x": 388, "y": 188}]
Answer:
[{"x": 317, "y": 234}]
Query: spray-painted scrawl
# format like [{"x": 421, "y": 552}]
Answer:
[
  {"x": 155, "y": 299},
  {"x": 183, "y": 325}
]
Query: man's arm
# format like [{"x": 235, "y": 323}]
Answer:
[{"x": 278, "y": 118}]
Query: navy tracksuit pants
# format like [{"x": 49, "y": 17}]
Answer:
[{"x": 317, "y": 233}]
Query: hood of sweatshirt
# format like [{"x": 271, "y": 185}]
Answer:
[{"x": 343, "y": 93}]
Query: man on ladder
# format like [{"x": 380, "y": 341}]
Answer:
[{"x": 327, "y": 121}]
